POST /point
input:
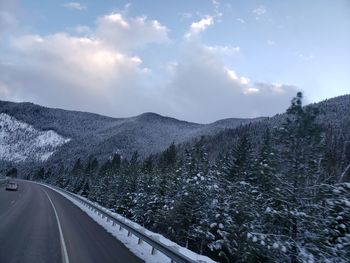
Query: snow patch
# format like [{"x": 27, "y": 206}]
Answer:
[{"x": 21, "y": 142}]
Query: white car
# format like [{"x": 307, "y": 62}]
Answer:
[{"x": 12, "y": 186}]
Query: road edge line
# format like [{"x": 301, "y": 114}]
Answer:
[{"x": 64, "y": 253}]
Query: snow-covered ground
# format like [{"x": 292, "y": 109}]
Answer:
[
  {"x": 142, "y": 250},
  {"x": 20, "y": 141}
]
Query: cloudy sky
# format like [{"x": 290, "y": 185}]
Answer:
[{"x": 197, "y": 60}]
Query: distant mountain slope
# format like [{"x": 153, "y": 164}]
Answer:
[
  {"x": 93, "y": 134},
  {"x": 20, "y": 142},
  {"x": 334, "y": 117}
]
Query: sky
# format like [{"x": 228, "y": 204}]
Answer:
[{"x": 195, "y": 60}]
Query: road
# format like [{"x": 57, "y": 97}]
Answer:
[{"x": 38, "y": 225}]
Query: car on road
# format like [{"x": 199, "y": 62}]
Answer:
[{"x": 12, "y": 186}]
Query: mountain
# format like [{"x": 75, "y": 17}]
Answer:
[
  {"x": 32, "y": 133},
  {"x": 275, "y": 190}
]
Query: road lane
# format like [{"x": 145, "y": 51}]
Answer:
[{"x": 29, "y": 230}]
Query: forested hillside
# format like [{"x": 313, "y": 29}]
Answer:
[
  {"x": 101, "y": 136},
  {"x": 271, "y": 191}
]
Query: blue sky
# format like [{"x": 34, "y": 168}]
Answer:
[{"x": 196, "y": 60}]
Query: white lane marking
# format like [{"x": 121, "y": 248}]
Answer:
[{"x": 65, "y": 258}]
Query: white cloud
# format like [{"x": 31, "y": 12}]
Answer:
[
  {"x": 129, "y": 33},
  {"x": 217, "y": 12},
  {"x": 228, "y": 50},
  {"x": 74, "y": 5},
  {"x": 233, "y": 76},
  {"x": 251, "y": 90},
  {"x": 245, "y": 81},
  {"x": 305, "y": 57},
  {"x": 116, "y": 18},
  {"x": 80, "y": 29},
  {"x": 200, "y": 26},
  {"x": 215, "y": 3},
  {"x": 88, "y": 54},
  {"x": 202, "y": 88},
  {"x": 100, "y": 72},
  {"x": 97, "y": 72},
  {"x": 271, "y": 42},
  {"x": 240, "y": 20},
  {"x": 259, "y": 11},
  {"x": 74, "y": 72}
]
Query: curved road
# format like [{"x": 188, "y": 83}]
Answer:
[{"x": 30, "y": 232}]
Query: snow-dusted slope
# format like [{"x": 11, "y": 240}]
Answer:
[
  {"x": 20, "y": 141},
  {"x": 101, "y": 136}
]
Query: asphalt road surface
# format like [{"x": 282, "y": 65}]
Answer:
[{"x": 38, "y": 225}]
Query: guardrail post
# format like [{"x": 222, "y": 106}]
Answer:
[
  {"x": 140, "y": 241},
  {"x": 120, "y": 228},
  {"x": 129, "y": 234},
  {"x": 154, "y": 251}
]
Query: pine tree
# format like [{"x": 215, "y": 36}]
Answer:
[
  {"x": 76, "y": 175},
  {"x": 12, "y": 172},
  {"x": 238, "y": 183},
  {"x": 168, "y": 158},
  {"x": 300, "y": 151},
  {"x": 116, "y": 162},
  {"x": 237, "y": 164},
  {"x": 267, "y": 195}
]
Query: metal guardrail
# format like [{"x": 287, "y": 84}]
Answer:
[{"x": 170, "y": 252}]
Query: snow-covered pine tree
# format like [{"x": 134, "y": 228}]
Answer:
[
  {"x": 300, "y": 151},
  {"x": 240, "y": 199},
  {"x": 267, "y": 200}
]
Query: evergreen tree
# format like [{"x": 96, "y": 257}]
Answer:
[
  {"x": 116, "y": 162},
  {"x": 168, "y": 158},
  {"x": 300, "y": 151},
  {"x": 39, "y": 175},
  {"x": 237, "y": 162},
  {"x": 12, "y": 172}
]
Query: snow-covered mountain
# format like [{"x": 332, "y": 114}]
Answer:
[
  {"x": 20, "y": 141},
  {"x": 60, "y": 135},
  {"x": 36, "y": 133}
]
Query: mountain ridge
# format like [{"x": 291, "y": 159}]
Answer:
[
  {"x": 147, "y": 133},
  {"x": 95, "y": 134}
]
